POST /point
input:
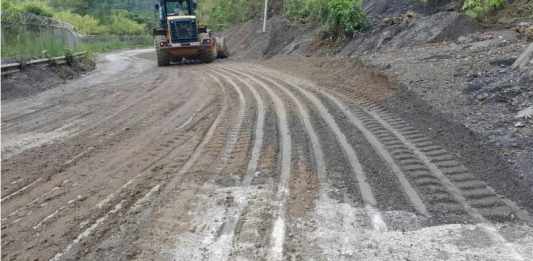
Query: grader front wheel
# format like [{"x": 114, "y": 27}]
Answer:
[{"x": 162, "y": 55}]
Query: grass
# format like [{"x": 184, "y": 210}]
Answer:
[
  {"x": 28, "y": 45},
  {"x": 109, "y": 29},
  {"x": 115, "y": 43}
]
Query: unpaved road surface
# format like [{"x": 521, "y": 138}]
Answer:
[{"x": 235, "y": 161}]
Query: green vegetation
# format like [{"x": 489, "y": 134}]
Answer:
[
  {"x": 121, "y": 24},
  {"x": 25, "y": 45},
  {"x": 219, "y": 14},
  {"x": 110, "y": 20},
  {"x": 338, "y": 17},
  {"x": 480, "y": 8},
  {"x": 84, "y": 24},
  {"x": 31, "y": 6},
  {"x": 86, "y": 16},
  {"x": 345, "y": 16},
  {"x": 109, "y": 43},
  {"x": 306, "y": 10}
]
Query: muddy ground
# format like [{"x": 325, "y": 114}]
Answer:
[
  {"x": 432, "y": 117},
  {"x": 243, "y": 161},
  {"x": 460, "y": 67},
  {"x": 292, "y": 149},
  {"x": 34, "y": 79}
]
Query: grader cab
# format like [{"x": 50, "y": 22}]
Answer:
[{"x": 179, "y": 35}]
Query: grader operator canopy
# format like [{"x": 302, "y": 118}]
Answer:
[
  {"x": 182, "y": 7},
  {"x": 168, "y": 8}
]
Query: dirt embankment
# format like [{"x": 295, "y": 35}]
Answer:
[
  {"x": 449, "y": 71},
  {"x": 35, "y": 79}
]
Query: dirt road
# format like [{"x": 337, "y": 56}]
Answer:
[{"x": 235, "y": 161}]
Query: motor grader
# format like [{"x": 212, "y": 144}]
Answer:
[{"x": 179, "y": 36}]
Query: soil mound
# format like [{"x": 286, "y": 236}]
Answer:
[
  {"x": 395, "y": 24},
  {"x": 249, "y": 42},
  {"x": 35, "y": 79}
]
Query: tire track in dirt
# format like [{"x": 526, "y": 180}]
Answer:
[
  {"x": 251, "y": 82},
  {"x": 234, "y": 133},
  {"x": 365, "y": 189},
  {"x": 282, "y": 193},
  {"x": 226, "y": 240},
  {"x": 115, "y": 97},
  {"x": 113, "y": 68},
  {"x": 434, "y": 163},
  {"x": 92, "y": 129},
  {"x": 463, "y": 192},
  {"x": 227, "y": 141},
  {"x": 319, "y": 162},
  {"x": 484, "y": 224},
  {"x": 198, "y": 150},
  {"x": 120, "y": 163},
  {"x": 412, "y": 194},
  {"x": 149, "y": 157},
  {"x": 406, "y": 186},
  {"x": 373, "y": 213},
  {"x": 24, "y": 188},
  {"x": 280, "y": 198},
  {"x": 146, "y": 176}
]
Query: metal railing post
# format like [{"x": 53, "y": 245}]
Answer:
[{"x": 265, "y": 16}]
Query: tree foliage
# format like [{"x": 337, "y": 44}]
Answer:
[
  {"x": 340, "y": 17},
  {"x": 121, "y": 17},
  {"x": 84, "y": 24},
  {"x": 345, "y": 16},
  {"x": 480, "y": 8},
  {"x": 121, "y": 24},
  {"x": 219, "y": 14},
  {"x": 31, "y": 6}
]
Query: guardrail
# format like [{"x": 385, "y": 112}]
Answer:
[{"x": 17, "y": 67}]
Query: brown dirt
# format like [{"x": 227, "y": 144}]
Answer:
[
  {"x": 345, "y": 74},
  {"x": 304, "y": 186},
  {"x": 35, "y": 79},
  {"x": 137, "y": 162}
]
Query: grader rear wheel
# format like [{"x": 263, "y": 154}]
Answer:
[
  {"x": 210, "y": 55},
  {"x": 222, "y": 50}
]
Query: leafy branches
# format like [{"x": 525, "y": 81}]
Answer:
[
  {"x": 479, "y": 8},
  {"x": 338, "y": 17},
  {"x": 219, "y": 14},
  {"x": 345, "y": 16},
  {"x": 89, "y": 17}
]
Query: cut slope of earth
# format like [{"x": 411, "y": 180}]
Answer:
[{"x": 462, "y": 69}]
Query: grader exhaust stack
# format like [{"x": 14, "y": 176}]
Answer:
[{"x": 179, "y": 36}]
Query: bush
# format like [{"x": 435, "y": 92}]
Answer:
[
  {"x": 480, "y": 8},
  {"x": 120, "y": 24},
  {"x": 107, "y": 43},
  {"x": 37, "y": 7},
  {"x": 339, "y": 17},
  {"x": 306, "y": 10},
  {"x": 85, "y": 24},
  {"x": 12, "y": 7},
  {"x": 218, "y": 14},
  {"x": 345, "y": 16},
  {"x": 23, "y": 44}
]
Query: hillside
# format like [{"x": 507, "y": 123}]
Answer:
[{"x": 459, "y": 65}]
